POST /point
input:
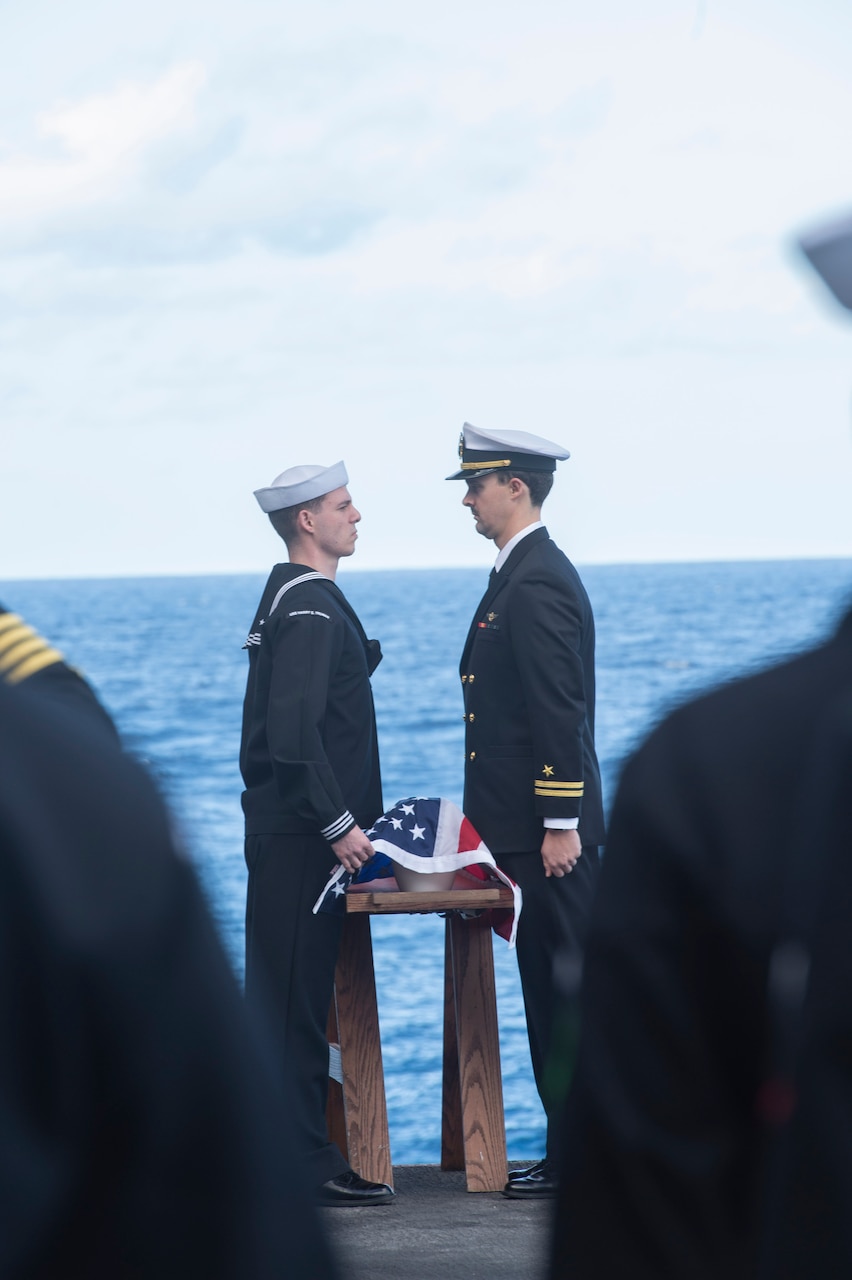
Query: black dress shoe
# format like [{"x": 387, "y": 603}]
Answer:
[
  {"x": 515, "y": 1174},
  {"x": 539, "y": 1181},
  {"x": 348, "y": 1189}
]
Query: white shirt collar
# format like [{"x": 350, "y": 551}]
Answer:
[{"x": 513, "y": 542}]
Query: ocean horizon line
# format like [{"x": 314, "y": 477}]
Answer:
[{"x": 361, "y": 569}]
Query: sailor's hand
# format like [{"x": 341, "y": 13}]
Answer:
[
  {"x": 560, "y": 851},
  {"x": 353, "y": 849}
]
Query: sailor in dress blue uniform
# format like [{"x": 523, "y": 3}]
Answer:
[{"x": 309, "y": 760}]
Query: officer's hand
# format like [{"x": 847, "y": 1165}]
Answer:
[
  {"x": 560, "y": 851},
  {"x": 353, "y": 849}
]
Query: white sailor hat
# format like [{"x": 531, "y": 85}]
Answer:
[
  {"x": 301, "y": 484},
  {"x": 829, "y": 250},
  {"x": 481, "y": 452}
]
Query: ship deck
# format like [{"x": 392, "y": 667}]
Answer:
[{"x": 437, "y": 1230}]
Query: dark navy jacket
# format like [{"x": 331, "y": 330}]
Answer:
[
  {"x": 27, "y": 658},
  {"x": 146, "y": 1135},
  {"x": 733, "y": 817},
  {"x": 309, "y": 755},
  {"x": 528, "y": 675}
]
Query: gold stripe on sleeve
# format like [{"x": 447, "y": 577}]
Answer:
[
  {"x": 12, "y": 635},
  {"x": 45, "y": 657},
  {"x": 8, "y": 620},
  {"x": 20, "y": 646}
]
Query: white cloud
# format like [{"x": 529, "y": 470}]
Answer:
[
  {"x": 102, "y": 139},
  {"x": 105, "y": 128},
  {"x": 242, "y": 231}
]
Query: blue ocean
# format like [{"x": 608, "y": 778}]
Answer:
[{"x": 166, "y": 656}]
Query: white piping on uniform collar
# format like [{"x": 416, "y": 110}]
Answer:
[{"x": 294, "y": 582}]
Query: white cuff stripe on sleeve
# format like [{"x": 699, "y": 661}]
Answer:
[{"x": 335, "y": 829}]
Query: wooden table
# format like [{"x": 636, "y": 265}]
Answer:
[{"x": 473, "y": 1134}]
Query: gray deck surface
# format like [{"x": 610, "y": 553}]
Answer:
[{"x": 436, "y": 1230}]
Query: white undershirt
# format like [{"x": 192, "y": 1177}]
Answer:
[
  {"x": 554, "y": 824},
  {"x": 513, "y": 542}
]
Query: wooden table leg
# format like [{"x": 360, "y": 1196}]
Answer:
[
  {"x": 452, "y": 1144},
  {"x": 365, "y": 1108},
  {"x": 478, "y": 1051}
]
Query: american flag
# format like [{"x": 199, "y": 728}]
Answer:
[{"x": 425, "y": 834}]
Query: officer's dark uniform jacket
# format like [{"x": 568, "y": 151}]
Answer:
[
  {"x": 309, "y": 755},
  {"x": 145, "y": 1133},
  {"x": 27, "y": 658},
  {"x": 528, "y": 675}
]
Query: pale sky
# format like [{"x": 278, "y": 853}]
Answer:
[{"x": 234, "y": 238}]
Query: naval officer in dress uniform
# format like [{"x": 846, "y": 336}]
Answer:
[
  {"x": 26, "y": 658},
  {"x": 145, "y": 1131},
  {"x": 310, "y": 763},
  {"x": 532, "y": 782}
]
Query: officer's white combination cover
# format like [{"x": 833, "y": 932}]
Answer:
[{"x": 514, "y": 441}]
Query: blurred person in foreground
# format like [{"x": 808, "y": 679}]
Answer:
[
  {"x": 532, "y": 785},
  {"x": 709, "y": 1127},
  {"x": 27, "y": 658},
  {"x": 144, "y": 1128},
  {"x": 310, "y": 762}
]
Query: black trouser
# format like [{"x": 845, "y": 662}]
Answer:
[
  {"x": 290, "y": 960},
  {"x": 551, "y": 934}
]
